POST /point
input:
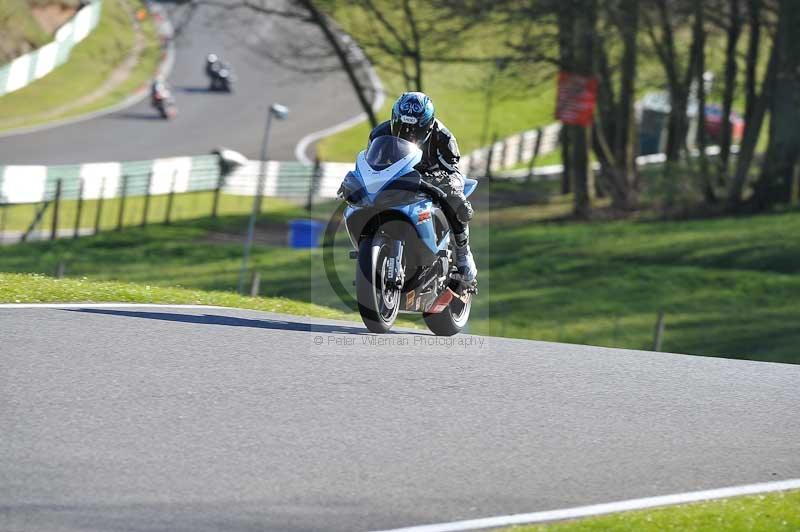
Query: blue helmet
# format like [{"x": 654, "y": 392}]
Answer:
[{"x": 413, "y": 117}]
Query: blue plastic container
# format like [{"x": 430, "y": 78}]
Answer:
[{"x": 305, "y": 233}]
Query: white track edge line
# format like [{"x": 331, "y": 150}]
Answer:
[
  {"x": 602, "y": 509},
  {"x": 105, "y": 305}
]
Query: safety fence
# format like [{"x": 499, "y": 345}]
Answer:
[
  {"x": 46, "y": 187},
  {"x": 29, "y": 67},
  {"x": 513, "y": 151},
  {"x": 33, "y": 184}
]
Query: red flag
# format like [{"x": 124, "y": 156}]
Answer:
[{"x": 577, "y": 96}]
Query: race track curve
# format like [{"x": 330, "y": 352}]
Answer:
[
  {"x": 152, "y": 418},
  {"x": 206, "y": 120}
]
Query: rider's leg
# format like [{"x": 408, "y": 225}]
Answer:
[{"x": 453, "y": 186}]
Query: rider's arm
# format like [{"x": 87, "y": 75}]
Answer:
[{"x": 448, "y": 154}]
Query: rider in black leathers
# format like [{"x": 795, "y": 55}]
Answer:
[{"x": 413, "y": 120}]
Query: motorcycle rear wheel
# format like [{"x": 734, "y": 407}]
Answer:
[{"x": 451, "y": 320}]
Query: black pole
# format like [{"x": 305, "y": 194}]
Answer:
[
  {"x": 79, "y": 210},
  {"x": 147, "y": 199},
  {"x": 56, "y": 205},
  {"x": 170, "y": 199},
  {"x": 313, "y": 184},
  {"x": 536, "y": 148},
  {"x": 99, "y": 212},
  {"x": 217, "y": 192},
  {"x": 251, "y": 224},
  {"x": 122, "y": 198}
]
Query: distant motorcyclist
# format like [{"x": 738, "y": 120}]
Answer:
[
  {"x": 219, "y": 73},
  {"x": 161, "y": 98},
  {"x": 413, "y": 120},
  {"x": 159, "y": 90},
  {"x": 212, "y": 61}
]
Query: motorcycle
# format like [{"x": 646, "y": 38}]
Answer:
[
  {"x": 164, "y": 104},
  {"x": 221, "y": 77},
  {"x": 400, "y": 228}
]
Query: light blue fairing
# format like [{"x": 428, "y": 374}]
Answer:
[
  {"x": 425, "y": 229},
  {"x": 374, "y": 181},
  {"x": 469, "y": 186}
]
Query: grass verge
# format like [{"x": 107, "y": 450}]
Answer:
[
  {"x": 35, "y": 288},
  {"x": 775, "y": 512},
  {"x": 90, "y": 64},
  {"x": 184, "y": 207},
  {"x": 727, "y": 286},
  {"x": 19, "y": 30}
]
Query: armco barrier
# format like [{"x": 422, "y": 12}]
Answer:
[
  {"x": 33, "y": 184},
  {"x": 28, "y": 68},
  {"x": 511, "y": 151}
]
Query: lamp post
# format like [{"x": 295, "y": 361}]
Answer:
[{"x": 280, "y": 112}]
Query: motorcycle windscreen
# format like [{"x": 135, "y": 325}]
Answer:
[{"x": 386, "y": 150}]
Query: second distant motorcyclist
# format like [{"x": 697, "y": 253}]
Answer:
[
  {"x": 219, "y": 74},
  {"x": 161, "y": 98}
]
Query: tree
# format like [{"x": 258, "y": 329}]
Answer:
[
  {"x": 335, "y": 51},
  {"x": 783, "y": 151},
  {"x": 583, "y": 26},
  {"x": 661, "y": 30},
  {"x": 615, "y": 133},
  {"x": 734, "y": 29}
]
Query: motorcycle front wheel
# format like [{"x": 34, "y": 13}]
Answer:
[{"x": 378, "y": 304}]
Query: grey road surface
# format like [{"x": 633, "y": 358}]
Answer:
[
  {"x": 168, "y": 419},
  {"x": 206, "y": 120}
]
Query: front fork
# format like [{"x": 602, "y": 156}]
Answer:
[{"x": 395, "y": 276}]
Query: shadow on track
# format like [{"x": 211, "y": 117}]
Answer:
[
  {"x": 137, "y": 116},
  {"x": 204, "y": 89},
  {"x": 230, "y": 321}
]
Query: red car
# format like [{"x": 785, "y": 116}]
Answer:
[{"x": 714, "y": 124}]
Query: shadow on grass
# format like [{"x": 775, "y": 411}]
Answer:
[{"x": 229, "y": 321}]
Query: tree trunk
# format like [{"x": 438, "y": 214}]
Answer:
[
  {"x": 566, "y": 60},
  {"x": 775, "y": 184},
  {"x": 566, "y": 159},
  {"x": 322, "y": 22},
  {"x": 752, "y": 131},
  {"x": 734, "y": 30},
  {"x": 584, "y": 19},
  {"x": 699, "y": 62},
  {"x": 625, "y": 140},
  {"x": 753, "y": 44}
]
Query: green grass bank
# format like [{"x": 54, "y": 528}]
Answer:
[
  {"x": 91, "y": 63},
  {"x": 727, "y": 286}
]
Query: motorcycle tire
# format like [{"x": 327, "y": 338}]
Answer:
[{"x": 376, "y": 310}]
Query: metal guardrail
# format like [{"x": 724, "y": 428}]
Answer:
[{"x": 27, "y": 68}]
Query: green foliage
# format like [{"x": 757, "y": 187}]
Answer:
[
  {"x": 728, "y": 286},
  {"x": 775, "y": 511},
  {"x": 184, "y": 207},
  {"x": 458, "y": 89},
  {"x": 19, "y": 31},
  {"x": 90, "y": 64},
  {"x": 35, "y": 288}
]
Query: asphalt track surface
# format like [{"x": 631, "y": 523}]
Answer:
[
  {"x": 206, "y": 120},
  {"x": 175, "y": 419}
]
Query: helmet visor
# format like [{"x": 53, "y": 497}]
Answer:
[{"x": 404, "y": 128}]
